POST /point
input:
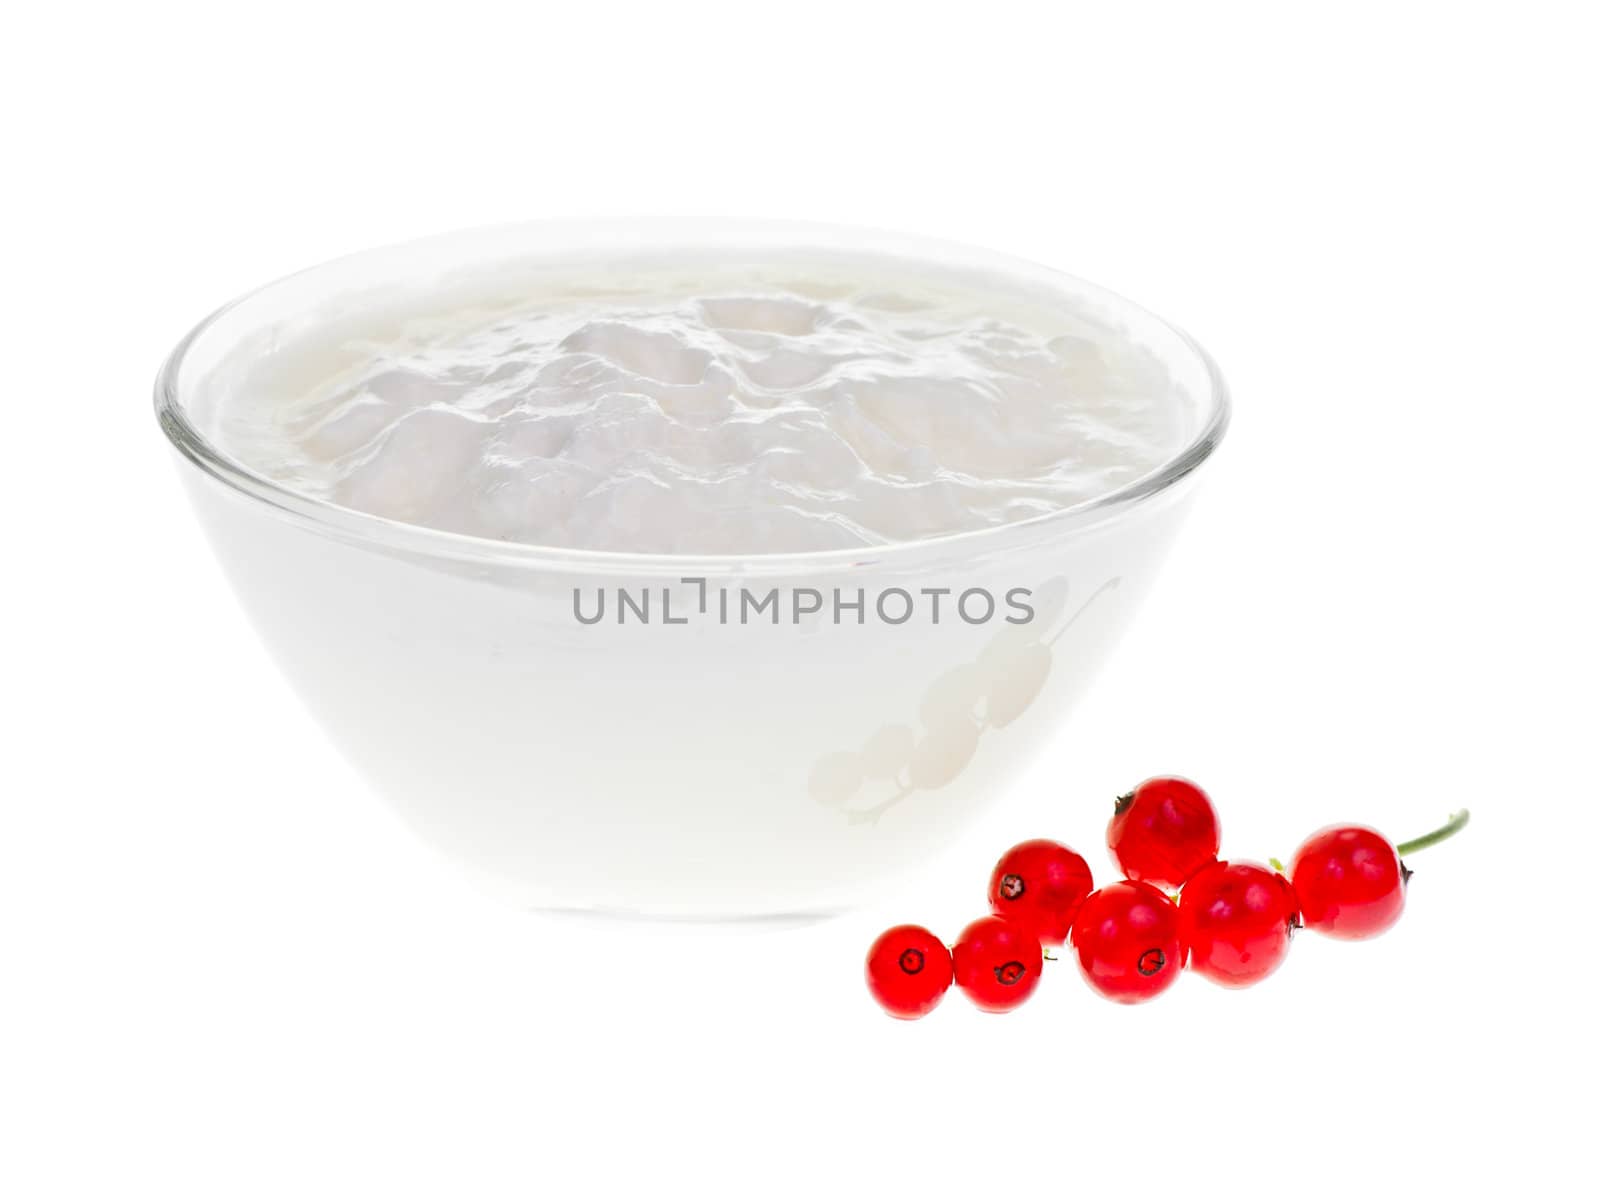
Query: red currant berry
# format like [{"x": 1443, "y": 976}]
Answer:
[
  {"x": 1235, "y": 921},
  {"x": 1126, "y": 937},
  {"x": 1163, "y": 832},
  {"x": 1350, "y": 882},
  {"x": 908, "y": 971},
  {"x": 1040, "y": 885},
  {"x": 997, "y": 963}
]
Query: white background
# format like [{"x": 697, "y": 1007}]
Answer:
[{"x": 226, "y": 971}]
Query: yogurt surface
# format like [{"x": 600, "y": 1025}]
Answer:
[{"x": 695, "y": 405}]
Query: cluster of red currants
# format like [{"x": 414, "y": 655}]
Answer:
[{"x": 1179, "y": 906}]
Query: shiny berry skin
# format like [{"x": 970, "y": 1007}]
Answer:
[
  {"x": 1164, "y": 832},
  {"x": 908, "y": 971},
  {"x": 1235, "y": 920},
  {"x": 1126, "y": 937},
  {"x": 1040, "y": 885},
  {"x": 997, "y": 963},
  {"x": 1350, "y": 882}
]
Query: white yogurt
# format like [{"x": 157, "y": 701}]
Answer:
[
  {"x": 781, "y": 388},
  {"x": 693, "y": 405}
]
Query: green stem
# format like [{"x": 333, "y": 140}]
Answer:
[{"x": 1457, "y": 821}]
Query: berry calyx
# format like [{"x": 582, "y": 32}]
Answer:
[
  {"x": 997, "y": 963},
  {"x": 1126, "y": 937},
  {"x": 1164, "y": 832},
  {"x": 908, "y": 971},
  {"x": 1350, "y": 882},
  {"x": 1039, "y": 885},
  {"x": 1235, "y": 920}
]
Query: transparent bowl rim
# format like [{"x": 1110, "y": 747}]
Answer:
[{"x": 389, "y": 534}]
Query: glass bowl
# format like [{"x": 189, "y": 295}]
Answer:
[{"x": 697, "y": 767}]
